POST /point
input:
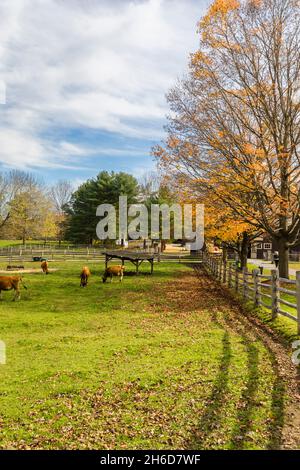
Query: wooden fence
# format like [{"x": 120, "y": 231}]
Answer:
[
  {"x": 280, "y": 296},
  {"x": 21, "y": 255}
]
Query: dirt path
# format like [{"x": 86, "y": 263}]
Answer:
[{"x": 249, "y": 327}]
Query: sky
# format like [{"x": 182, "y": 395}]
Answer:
[{"x": 83, "y": 82}]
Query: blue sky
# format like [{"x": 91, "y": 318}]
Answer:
[{"x": 86, "y": 82}]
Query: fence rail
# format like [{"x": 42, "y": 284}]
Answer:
[
  {"x": 26, "y": 254},
  {"x": 280, "y": 296}
]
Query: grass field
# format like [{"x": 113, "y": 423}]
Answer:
[
  {"x": 284, "y": 326},
  {"x": 295, "y": 266},
  {"x": 163, "y": 361},
  {"x": 4, "y": 243}
]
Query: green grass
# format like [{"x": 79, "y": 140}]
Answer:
[
  {"x": 294, "y": 265},
  {"x": 285, "y": 327},
  {"x": 5, "y": 243},
  {"x": 252, "y": 266},
  {"x": 153, "y": 362}
]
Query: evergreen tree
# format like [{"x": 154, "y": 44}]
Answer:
[{"x": 105, "y": 188}]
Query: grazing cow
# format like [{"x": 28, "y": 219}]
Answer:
[
  {"x": 113, "y": 271},
  {"x": 45, "y": 267},
  {"x": 11, "y": 282},
  {"x": 84, "y": 276}
]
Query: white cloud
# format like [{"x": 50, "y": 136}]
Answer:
[
  {"x": 93, "y": 64},
  {"x": 16, "y": 146},
  {"x": 19, "y": 150}
]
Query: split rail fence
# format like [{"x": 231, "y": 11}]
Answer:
[
  {"x": 19, "y": 255},
  {"x": 279, "y": 295}
]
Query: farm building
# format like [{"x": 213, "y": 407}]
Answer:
[{"x": 263, "y": 247}]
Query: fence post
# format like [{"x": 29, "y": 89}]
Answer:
[
  {"x": 229, "y": 276},
  {"x": 256, "y": 287},
  {"x": 224, "y": 271},
  {"x": 236, "y": 279},
  {"x": 298, "y": 299},
  {"x": 221, "y": 270},
  {"x": 275, "y": 293}
]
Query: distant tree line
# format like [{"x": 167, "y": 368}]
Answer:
[
  {"x": 28, "y": 209},
  {"x": 31, "y": 210}
]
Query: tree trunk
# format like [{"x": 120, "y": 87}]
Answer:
[
  {"x": 244, "y": 250},
  {"x": 283, "y": 250},
  {"x": 283, "y": 247},
  {"x": 3, "y": 222}
]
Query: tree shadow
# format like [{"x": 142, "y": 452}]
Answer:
[
  {"x": 210, "y": 419},
  {"x": 247, "y": 403},
  {"x": 277, "y": 408},
  {"x": 276, "y": 423},
  {"x": 243, "y": 417}
]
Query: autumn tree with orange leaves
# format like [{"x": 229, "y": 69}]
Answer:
[
  {"x": 222, "y": 226},
  {"x": 235, "y": 123},
  {"x": 225, "y": 229}
]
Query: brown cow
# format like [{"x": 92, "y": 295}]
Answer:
[
  {"x": 113, "y": 271},
  {"x": 11, "y": 282},
  {"x": 45, "y": 267},
  {"x": 84, "y": 276}
]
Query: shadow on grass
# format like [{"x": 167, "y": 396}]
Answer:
[
  {"x": 243, "y": 419},
  {"x": 210, "y": 419},
  {"x": 275, "y": 426}
]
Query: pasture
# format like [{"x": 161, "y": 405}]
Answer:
[{"x": 163, "y": 361}]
